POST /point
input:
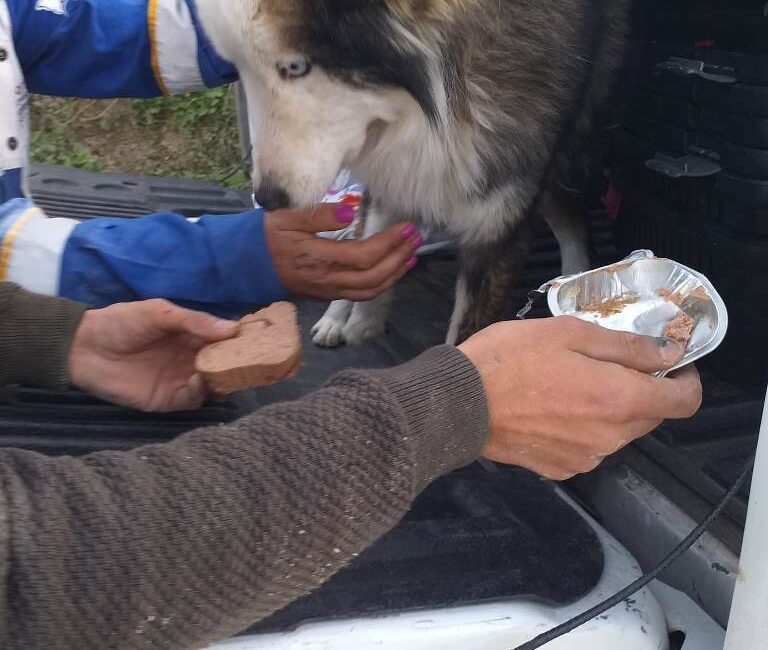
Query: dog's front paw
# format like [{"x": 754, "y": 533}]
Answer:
[
  {"x": 359, "y": 330},
  {"x": 328, "y": 332}
]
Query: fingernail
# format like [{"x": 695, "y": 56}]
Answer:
[
  {"x": 345, "y": 213},
  {"x": 409, "y": 231},
  {"x": 224, "y": 325},
  {"x": 417, "y": 242},
  {"x": 411, "y": 263},
  {"x": 671, "y": 351}
]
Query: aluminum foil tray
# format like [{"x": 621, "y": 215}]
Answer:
[{"x": 648, "y": 295}]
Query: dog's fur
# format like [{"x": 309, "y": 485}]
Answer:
[{"x": 471, "y": 116}]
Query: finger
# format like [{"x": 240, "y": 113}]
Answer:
[
  {"x": 610, "y": 438},
  {"x": 637, "y": 396},
  {"x": 188, "y": 397},
  {"x": 364, "y": 295},
  {"x": 690, "y": 369},
  {"x": 361, "y": 255},
  {"x": 687, "y": 383},
  {"x": 322, "y": 217},
  {"x": 384, "y": 274},
  {"x": 173, "y": 319},
  {"x": 643, "y": 353}
]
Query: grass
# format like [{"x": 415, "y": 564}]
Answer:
[{"x": 193, "y": 135}]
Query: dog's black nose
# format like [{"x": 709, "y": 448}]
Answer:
[{"x": 272, "y": 197}]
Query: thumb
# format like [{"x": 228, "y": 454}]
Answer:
[
  {"x": 643, "y": 353},
  {"x": 319, "y": 218},
  {"x": 173, "y": 319},
  {"x": 188, "y": 397}
]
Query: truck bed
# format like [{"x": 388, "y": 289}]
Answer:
[{"x": 500, "y": 532}]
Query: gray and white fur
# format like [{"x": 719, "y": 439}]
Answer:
[{"x": 469, "y": 116}]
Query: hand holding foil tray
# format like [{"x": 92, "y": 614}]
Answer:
[{"x": 647, "y": 295}]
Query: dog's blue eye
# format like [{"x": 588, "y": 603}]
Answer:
[{"x": 294, "y": 68}]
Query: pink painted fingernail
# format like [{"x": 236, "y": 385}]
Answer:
[
  {"x": 410, "y": 263},
  {"x": 409, "y": 231},
  {"x": 345, "y": 214},
  {"x": 417, "y": 241}
]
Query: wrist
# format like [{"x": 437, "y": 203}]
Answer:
[
  {"x": 442, "y": 396},
  {"x": 80, "y": 359}
]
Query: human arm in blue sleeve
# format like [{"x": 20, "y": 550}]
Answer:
[
  {"x": 219, "y": 264},
  {"x": 114, "y": 48}
]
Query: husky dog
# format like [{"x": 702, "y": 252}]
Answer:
[{"x": 469, "y": 116}]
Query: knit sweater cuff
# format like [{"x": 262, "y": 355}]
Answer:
[
  {"x": 35, "y": 334},
  {"x": 442, "y": 396}
]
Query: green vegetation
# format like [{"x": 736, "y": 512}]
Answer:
[
  {"x": 57, "y": 147},
  {"x": 192, "y": 135}
]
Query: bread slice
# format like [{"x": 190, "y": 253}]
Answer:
[{"x": 266, "y": 350}]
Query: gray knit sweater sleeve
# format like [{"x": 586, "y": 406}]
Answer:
[
  {"x": 173, "y": 546},
  {"x": 35, "y": 333}
]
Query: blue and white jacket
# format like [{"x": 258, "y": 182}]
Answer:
[{"x": 117, "y": 48}]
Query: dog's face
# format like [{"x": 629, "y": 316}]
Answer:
[{"x": 325, "y": 79}]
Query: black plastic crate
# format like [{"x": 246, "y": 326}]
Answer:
[
  {"x": 667, "y": 137},
  {"x": 737, "y": 265},
  {"x": 753, "y": 70},
  {"x": 688, "y": 88},
  {"x": 733, "y": 26},
  {"x": 745, "y": 161},
  {"x": 746, "y": 130},
  {"x": 631, "y": 149},
  {"x": 645, "y": 222},
  {"x": 744, "y": 205},
  {"x": 743, "y": 99},
  {"x": 673, "y": 110},
  {"x": 695, "y": 199},
  {"x": 740, "y": 268}
]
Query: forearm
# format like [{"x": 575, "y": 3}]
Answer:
[
  {"x": 173, "y": 546},
  {"x": 35, "y": 335},
  {"x": 221, "y": 264},
  {"x": 115, "y": 48}
]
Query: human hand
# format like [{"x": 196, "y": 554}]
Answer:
[
  {"x": 142, "y": 354},
  {"x": 563, "y": 394},
  {"x": 325, "y": 269}
]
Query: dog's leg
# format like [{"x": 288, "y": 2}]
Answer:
[
  {"x": 570, "y": 229},
  {"x": 486, "y": 273},
  {"x": 327, "y": 332},
  {"x": 460, "y": 302},
  {"x": 369, "y": 319},
  {"x": 348, "y": 322}
]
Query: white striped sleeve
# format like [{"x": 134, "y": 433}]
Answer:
[
  {"x": 174, "y": 47},
  {"x": 31, "y": 251}
]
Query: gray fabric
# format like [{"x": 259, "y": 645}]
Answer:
[
  {"x": 35, "y": 334},
  {"x": 174, "y": 546}
]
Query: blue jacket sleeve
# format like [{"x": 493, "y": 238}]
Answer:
[
  {"x": 219, "y": 264},
  {"x": 114, "y": 48}
]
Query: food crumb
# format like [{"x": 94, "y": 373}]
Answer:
[
  {"x": 611, "y": 306},
  {"x": 680, "y": 328},
  {"x": 699, "y": 293},
  {"x": 672, "y": 296}
]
